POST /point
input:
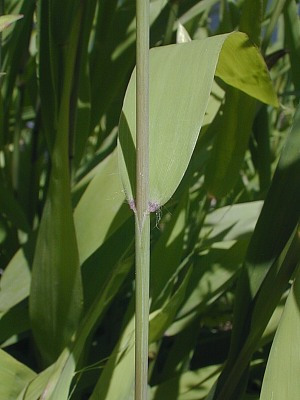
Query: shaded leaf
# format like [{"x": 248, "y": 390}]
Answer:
[{"x": 282, "y": 382}]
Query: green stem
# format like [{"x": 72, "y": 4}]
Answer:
[
  {"x": 171, "y": 21},
  {"x": 142, "y": 217},
  {"x": 272, "y": 23}
]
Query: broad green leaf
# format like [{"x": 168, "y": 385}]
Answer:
[
  {"x": 271, "y": 290},
  {"x": 7, "y": 20},
  {"x": 213, "y": 273},
  {"x": 178, "y": 357},
  {"x": 56, "y": 281},
  {"x": 63, "y": 367},
  {"x": 231, "y": 222},
  {"x": 101, "y": 209},
  {"x": 272, "y": 326},
  {"x": 14, "y": 376},
  {"x": 276, "y": 223},
  {"x": 216, "y": 95},
  {"x": 162, "y": 318},
  {"x": 242, "y": 66},
  {"x": 15, "y": 282},
  {"x": 234, "y": 125},
  {"x": 56, "y": 278},
  {"x": 265, "y": 275},
  {"x": 117, "y": 379},
  {"x": 187, "y": 71},
  {"x": 35, "y": 387},
  {"x": 57, "y": 9},
  {"x": 99, "y": 213},
  {"x": 97, "y": 268},
  {"x": 81, "y": 104},
  {"x": 251, "y": 19},
  {"x": 190, "y": 385},
  {"x": 166, "y": 255},
  {"x": 113, "y": 54},
  {"x": 59, "y": 379},
  {"x": 47, "y": 59},
  {"x": 281, "y": 380},
  {"x": 13, "y": 323},
  {"x": 233, "y": 129}
]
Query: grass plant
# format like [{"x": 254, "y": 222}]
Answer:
[{"x": 149, "y": 200}]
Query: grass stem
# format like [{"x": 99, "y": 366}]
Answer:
[{"x": 142, "y": 218}]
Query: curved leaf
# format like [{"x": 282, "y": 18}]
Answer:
[
  {"x": 181, "y": 79},
  {"x": 283, "y": 383},
  {"x": 6, "y": 20}
]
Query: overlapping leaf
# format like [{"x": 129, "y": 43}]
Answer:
[{"x": 187, "y": 71}]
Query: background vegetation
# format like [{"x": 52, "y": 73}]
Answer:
[{"x": 224, "y": 283}]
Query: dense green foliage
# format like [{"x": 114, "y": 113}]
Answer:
[{"x": 224, "y": 196}]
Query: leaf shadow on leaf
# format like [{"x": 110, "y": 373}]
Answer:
[
  {"x": 277, "y": 221},
  {"x": 96, "y": 269},
  {"x": 123, "y": 214},
  {"x": 128, "y": 152},
  {"x": 160, "y": 276}
]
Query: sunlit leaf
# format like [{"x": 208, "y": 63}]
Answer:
[
  {"x": 7, "y": 20},
  {"x": 187, "y": 71}
]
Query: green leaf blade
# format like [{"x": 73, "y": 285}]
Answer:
[{"x": 187, "y": 71}]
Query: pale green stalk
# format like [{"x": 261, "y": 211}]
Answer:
[{"x": 142, "y": 218}]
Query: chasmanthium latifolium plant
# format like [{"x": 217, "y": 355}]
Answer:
[{"x": 149, "y": 190}]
